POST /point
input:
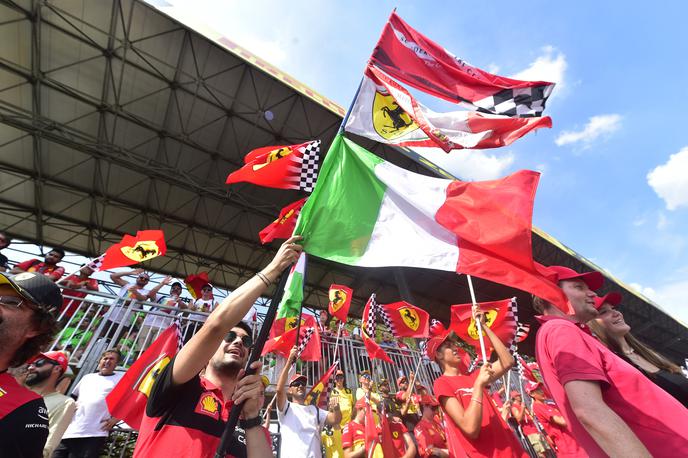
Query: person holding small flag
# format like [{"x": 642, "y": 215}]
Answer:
[
  {"x": 332, "y": 436},
  {"x": 354, "y": 438}
]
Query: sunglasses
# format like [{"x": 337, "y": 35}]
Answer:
[
  {"x": 43, "y": 362},
  {"x": 246, "y": 341},
  {"x": 298, "y": 384}
]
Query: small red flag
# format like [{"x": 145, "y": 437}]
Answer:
[
  {"x": 387, "y": 439},
  {"x": 368, "y": 326},
  {"x": 372, "y": 439},
  {"x": 374, "y": 350},
  {"x": 195, "y": 282},
  {"x": 285, "y": 223},
  {"x": 406, "y": 320},
  {"x": 319, "y": 394},
  {"x": 283, "y": 343},
  {"x": 135, "y": 249},
  {"x": 282, "y": 167},
  {"x": 340, "y": 301},
  {"x": 499, "y": 317},
  {"x": 127, "y": 400}
]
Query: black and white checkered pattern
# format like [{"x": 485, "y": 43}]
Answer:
[
  {"x": 304, "y": 341},
  {"x": 522, "y": 331},
  {"x": 526, "y": 102},
  {"x": 309, "y": 166},
  {"x": 180, "y": 338},
  {"x": 387, "y": 322},
  {"x": 370, "y": 324},
  {"x": 512, "y": 317},
  {"x": 95, "y": 264}
]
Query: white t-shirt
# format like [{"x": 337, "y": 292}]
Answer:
[
  {"x": 202, "y": 305},
  {"x": 120, "y": 310},
  {"x": 91, "y": 408},
  {"x": 300, "y": 427},
  {"x": 159, "y": 321}
]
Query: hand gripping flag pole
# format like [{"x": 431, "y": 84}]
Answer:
[
  {"x": 478, "y": 324},
  {"x": 257, "y": 349}
]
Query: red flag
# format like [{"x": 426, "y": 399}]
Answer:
[
  {"x": 406, "y": 320},
  {"x": 493, "y": 223},
  {"x": 499, "y": 318},
  {"x": 283, "y": 226},
  {"x": 374, "y": 350},
  {"x": 282, "y": 167},
  {"x": 319, "y": 394},
  {"x": 368, "y": 326},
  {"x": 372, "y": 439},
  {"x": 387, "y": 439},
  {"x": 412, "y": 58},
  {"x": 127, "y": 400},
  {"x": 340, "y": 301},
  {"x": 283, "y": 343},
  {"x": 195, "y": 282},
  {"x": 135, "y": 249}
]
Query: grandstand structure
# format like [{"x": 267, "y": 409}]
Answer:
[{"x": 115, "y": 116}]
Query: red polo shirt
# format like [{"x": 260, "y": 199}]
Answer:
[
  {"x": 566, "y": 351},
  {"x": 562, "y": 438},
  {"x": 495, "y": 439},
  {"x": 398, "y": 430},
  {"x": 429, "y": 434},
  {"x": 186, "y": 420},
  {"x": 34, "y": 265}
]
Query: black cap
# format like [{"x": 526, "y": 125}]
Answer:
[
  {"x": 35, "y": 288},
  {"x": 176, "y": 284}
]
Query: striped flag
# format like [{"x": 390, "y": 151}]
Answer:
[{"x": 320, "y": 393}]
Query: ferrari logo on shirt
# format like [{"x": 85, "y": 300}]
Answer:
[
  {"x": 395, "y": 434},
  {"x": 410, "y": 317},
  {"x": 338, "y": 298},
  {"x": 148, "y": 380},
  {"x": 490, "y": 316},
  {"x": 142, "y": 251},
  {"x": 208, "y": 405},
  {"x": 389, "y": 120}
]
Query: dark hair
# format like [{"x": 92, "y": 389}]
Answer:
[
  {"x": 176, "y": 284},
  {"x": 46, "y": 324},
  {"x": 58, "y": 250},
  {"x": 245, "y": 327},
  {"x": 539, "y": 305},
  {"x": 7, "y": 238},
  {"x": 113, "y": 351}
]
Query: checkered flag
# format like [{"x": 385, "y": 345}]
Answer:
[
  {"x": 385, "y": 319},
  {"x": 525, "y": 102},
  {"x": 370, "y": 325},
  {"x": 96, "y": 263},
  {"x": 304, "y": 341},
  {"x": 180, "y": 338},
  {"x": 522, "y": 331},
  {"x": 511, "y": 319},
  {"x": 309, "y": 166}
]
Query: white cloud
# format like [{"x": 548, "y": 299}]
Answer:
[
  {"x": 670, "y": 180},
  {"x": 493, "y": 68},
  {"x": 597, "y": 126},
  {"x": 672, "y": 298},
  {"x": 550, "y": 66},
  {"x": 471, "y": 165},
  {"x": 646, "y": 291}
]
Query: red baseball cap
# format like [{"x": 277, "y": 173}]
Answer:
[
  {"x": 401, "y": 379},
  {"x": 612, "y": 299},
  {"x": 533, "y": 386},
  {"x": 298, "y": 377},
  {"x": 57, "y": 356},
  {"x": 361, "y": 403},
  {"x": 593, "y": 279},
  {"x": 428, "y": 400},
  {"x": 439, "y": 335}
]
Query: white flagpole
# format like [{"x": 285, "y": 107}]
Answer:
[
  {"x": 477, "y": 322},
  {"x": 336, "y": 342}
]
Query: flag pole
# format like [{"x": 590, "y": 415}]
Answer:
[
  {"x": 478, "y": 324},
  {"x": 256, "y": 350},
  {"x": 336, "y": 342}
]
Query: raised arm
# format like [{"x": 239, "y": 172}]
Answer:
[
  {"x": 117, "y": 276},
  {"x": 334, "y": 415},
  {"x": 504, "y": 359},
  {"x": 610, "y": 432},
  {"x": 154, "y": 291},
  {"x": 469, "y": 419},
  {"x": 195, "y": 354},
  {"x": 281, "y": 388}
]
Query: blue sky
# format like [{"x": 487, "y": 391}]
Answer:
[{"x": 615, "y": 164}]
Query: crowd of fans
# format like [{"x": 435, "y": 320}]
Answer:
[{"x": 600, "y": 393}]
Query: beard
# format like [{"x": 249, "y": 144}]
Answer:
[
  {"x": 34, "y": 378},
  {"x": 228, "y": 369}
]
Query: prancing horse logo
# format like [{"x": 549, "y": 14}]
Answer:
[{"x": 389, "y": 120}]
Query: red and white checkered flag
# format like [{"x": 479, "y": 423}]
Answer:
[{"x": 305, "y": 338}]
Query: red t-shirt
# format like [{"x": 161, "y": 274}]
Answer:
[
  {"x": 398, "y": 430},
  {"x": 34, "y": 265},
  {"x": 429, "y": 434},
  {"x": 495, "y": 439},
  {"x": 353, "y": 435},
  {"x": 527, "y": 425},
  {"x": 566, "y": 351},
  {"x": 71, "y": 305},
  {"x": 562, "y": 438}
]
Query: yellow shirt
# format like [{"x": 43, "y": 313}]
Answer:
[{"x": 346, "y": 403}]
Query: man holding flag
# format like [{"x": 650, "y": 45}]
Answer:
[{"x": 191, "y": 399}]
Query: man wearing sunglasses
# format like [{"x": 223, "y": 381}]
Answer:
[
  {"x": 28, "y": 305},
  {"x": 190, "y": 401},
  {"x": 45, "y": 371},
  {"x": 301, "y": 424},
  {"x": 430, "y": 434}
]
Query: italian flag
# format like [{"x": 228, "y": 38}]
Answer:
[
  {"x": 367, "y": 212},
  {"x": 289, "y": 309}
]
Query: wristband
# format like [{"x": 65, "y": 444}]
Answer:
[
  {"x": 250, "y": 423},
  {"x": 263, "y": 278},
  {"x": 477, "y": 400}
]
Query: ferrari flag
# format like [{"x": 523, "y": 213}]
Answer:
[
  {"x": 127, "y": 400},
  {"x": 499, "y": 317},
  {"x": 320, "y": 392},
  {"x": 195, "y": 282},
  {"x": 368, "y": 212},
  {"x": 406, "y": 320},
  {"x": 309, "y": 341},
  {"x": 284, "y": 225},
  {"x": 145, "y": 245},
  {"x": 340, "y": 301},
  {"x": 283, "y": 167},
  {"x": 368, "y": 327},
  {"x": 410, "y": 57},
  {"x": 386, "y": 112}
]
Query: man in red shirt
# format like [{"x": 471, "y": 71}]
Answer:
[
  {"x": 474, "y": 427},
  {"x": 49, "y": 267},
  {"x": 78, "y": 280},
  {"x": 611, "y": 408},
  {"x": 401, "y": 438},
  {"x": 191, "y": 398},
  {"x": 429, "y": 434},
  {"x": 554, "y": 424}
]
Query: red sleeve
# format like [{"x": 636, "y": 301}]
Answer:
[
  {"x": 347, "y": 437},
  {"x": 443, "y": 388},
  {"x": 399, "y": 396},
  {"x": 572, "y": 356},
  {"x": 26, "y": 264},
  {"x": 93, "y": 286},
  {"x": 57, "y": 273},
  {"x": 422, "y": 441}
]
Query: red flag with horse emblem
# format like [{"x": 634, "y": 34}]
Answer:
[
  {"x": 195, "y": 282},
  {"x": 406, "y": 320},
  {"x": 145, "y": 245},
  {"x": 499, "y": 317},
  {"x": 283, "y": 226},
  {"x": 340, "y": 301}
]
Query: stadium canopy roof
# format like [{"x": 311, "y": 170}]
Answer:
[{"x": 115, "y": 117}]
